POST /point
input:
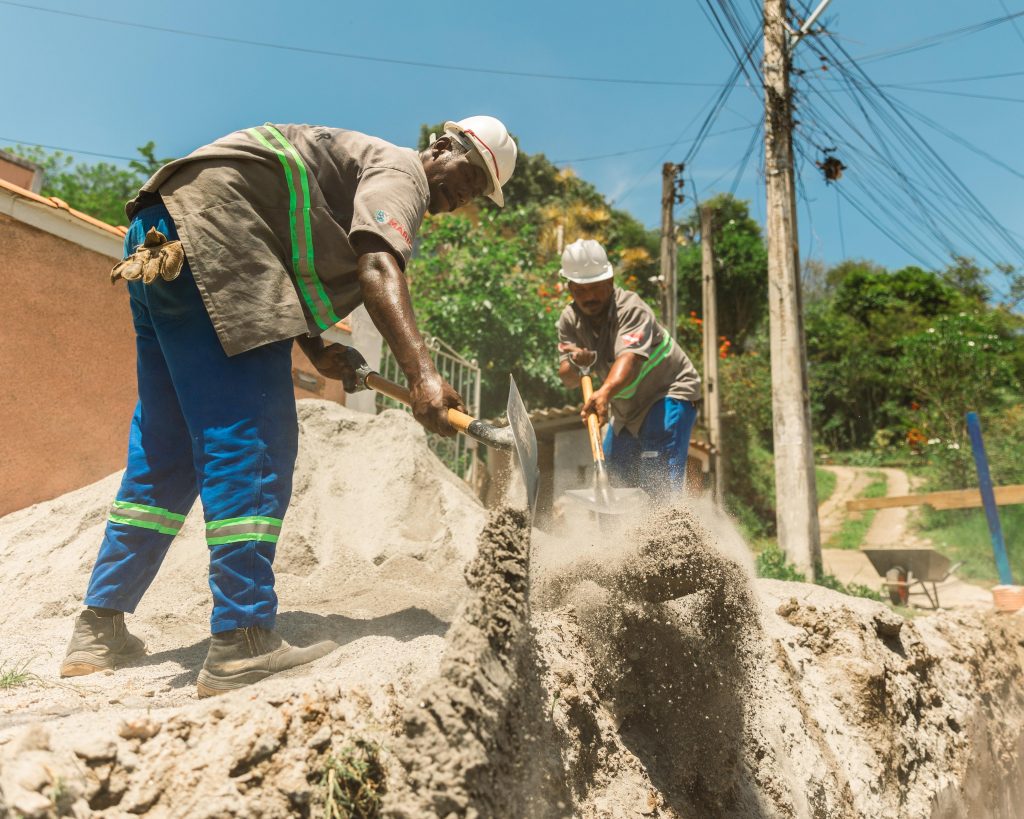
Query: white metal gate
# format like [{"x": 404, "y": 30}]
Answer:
[{"x": 458, "y": 453}]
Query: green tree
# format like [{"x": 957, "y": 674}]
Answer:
[
  {"x": 864, "y": 293},
  {"x": 966, "y": 276},
  {"x": 481, "y": 289},
  {"x": 741, "y": 269}
]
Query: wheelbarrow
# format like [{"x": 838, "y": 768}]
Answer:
[{"x": 910, "y": 571}]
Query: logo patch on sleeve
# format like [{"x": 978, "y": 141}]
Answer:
[
  {"x": 384, "y": 218},
  {"x": 630, "y": 339}
]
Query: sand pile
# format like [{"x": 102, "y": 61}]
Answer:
[
  {"x": 352, "y": 566},
  {"x": 625, "y": 672}
]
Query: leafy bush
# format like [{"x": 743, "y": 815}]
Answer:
[
  {"x": 959, "y": 363},
  {"x": 772, "y": 563}
]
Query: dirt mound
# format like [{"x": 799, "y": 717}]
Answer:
[
  {"x": 351, "y": 567},
  {"x": 628, "y": 671}
]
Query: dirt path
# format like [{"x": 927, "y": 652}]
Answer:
[
  {"x": 850, "y": 482},
  {"x": 889, "y": 529}
]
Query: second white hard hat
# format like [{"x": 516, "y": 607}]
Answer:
[
  {"x": 492, "y": 142},
  {"x": 584, "y": 262}
]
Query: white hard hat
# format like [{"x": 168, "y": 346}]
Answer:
[
  {"x": 492, "y": 143},
  {"x": 584, "y": 262}
]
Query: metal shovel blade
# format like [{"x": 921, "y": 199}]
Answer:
[
  {"x": 604, "y": 499},
  {"x": 525, "y": 440},
  {"x": 617, "y": 502}
]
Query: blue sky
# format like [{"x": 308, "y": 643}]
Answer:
[{"x": 101, "y": 87}]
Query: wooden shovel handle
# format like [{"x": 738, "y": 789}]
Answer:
[
  {"x": 457, "y": 419},
  {"x": 593, "y": 424}
]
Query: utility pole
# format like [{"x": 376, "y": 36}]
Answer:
[
  {"x": 671, "y": 194},
  {"x": 712, "y": 394},
  {"x": 796, "y": 512}
]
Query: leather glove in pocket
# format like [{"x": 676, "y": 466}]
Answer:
[{"x": 155, "y": 257}]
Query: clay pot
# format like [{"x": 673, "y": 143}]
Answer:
[{"x": 1008, "y": 598}]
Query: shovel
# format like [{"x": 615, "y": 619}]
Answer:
[
  {"x": 518, "y": 437},
  {"x": 602, "y": 498}
]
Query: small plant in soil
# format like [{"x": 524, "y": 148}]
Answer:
[
  {"x": 13, "y": 674},
  {"x": 353, "y": 782}
]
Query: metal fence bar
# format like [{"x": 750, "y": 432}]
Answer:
[{"x": 459, "y": 453}]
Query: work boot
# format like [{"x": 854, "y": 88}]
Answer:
[
  {"x": 100, "y": 642},
  {"x": 246, "y": 655}
]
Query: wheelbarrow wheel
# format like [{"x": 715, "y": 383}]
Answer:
[{"x": 896, "y": 583}]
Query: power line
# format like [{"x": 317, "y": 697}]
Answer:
[
  {"x": 29, "y": 143},
  {"x": 949, "y": 205},
  {"x": 933, "y": 40},
  {"x": 754, "y": 141},
  {"x": 646, "y": 148},
  {"x": 1015, "y": 26},
  {"x": 954, "y": 93},
  {"x": 946, "y": 132},
  {"x": 537, "y": 75},
  {"x": 716, "y": 103},
  {"x": 969, "y": 79}
]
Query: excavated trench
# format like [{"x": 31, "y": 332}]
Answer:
[{"x": 651, "y": 684}]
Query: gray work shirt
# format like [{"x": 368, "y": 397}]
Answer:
[
  {"x": 267, "y": 215},
  {"x": 630, "y": 327}
]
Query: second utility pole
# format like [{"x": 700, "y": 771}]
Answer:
[
  {"x": 669, "y": 296},
  {"x": 712, "y": 394},
  {"x": 796, "y": 507}
]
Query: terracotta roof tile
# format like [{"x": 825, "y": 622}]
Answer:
[{"x": 60, "y": 204}]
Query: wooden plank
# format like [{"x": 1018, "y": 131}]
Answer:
[{"x": 952, "y": 499}]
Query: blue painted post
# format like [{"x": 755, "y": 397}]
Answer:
[{"x": 988, "y": 499}]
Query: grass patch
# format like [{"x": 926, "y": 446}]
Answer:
[
  {"x": 353, "y": 782},
  {"x": 772, "y": 563},
  {"x": 825, "y": 481},
  {"x": 13, "y": 674},
  {"x": 855, "y": 527},
  {"x": 962, "y": 534}
]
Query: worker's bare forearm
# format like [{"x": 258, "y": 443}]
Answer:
[
  {"x": 623, "y": 371},
  {"x": 386, "y": 296},
  {"x": 569, "y": 374}
]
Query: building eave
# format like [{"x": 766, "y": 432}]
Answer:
[{"x": 56, "y": 217}]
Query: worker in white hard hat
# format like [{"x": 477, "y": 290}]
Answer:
[
  {"x": 649, "y": 388},
  {"x": 264, "y": 237}
]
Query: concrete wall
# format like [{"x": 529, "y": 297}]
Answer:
[{"x": 67, "y": 354}]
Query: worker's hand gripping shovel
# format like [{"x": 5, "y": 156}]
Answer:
[
  {"x": 602, "y": 498},
  {"x": 518, "y": 437}
]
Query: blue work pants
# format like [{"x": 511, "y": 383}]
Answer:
[
  {"x": 208, "y": 425},
  {"x": 654, "y": 461}
]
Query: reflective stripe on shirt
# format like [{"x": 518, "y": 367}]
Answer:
[
  {"x": 301, "y": 230},
  {"x": 657, "y": 356}
]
